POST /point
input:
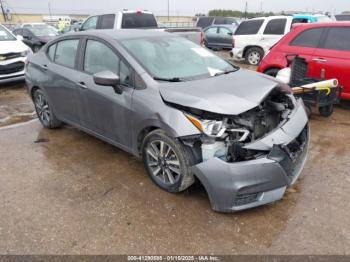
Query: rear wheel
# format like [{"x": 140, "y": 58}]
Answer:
[
  {"x": 272, "y": 72},
  {"x": 44, "y": 111},
  {"x": 326, "y": 111},
  {"x": 254, "y": 55},
  {"x": 167, "y": 161}
]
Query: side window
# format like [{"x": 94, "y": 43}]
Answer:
[
  {"x": 212, "y": 30},
  {"x": 51, "y": 52},
  {"x": 99, "y": 57},
  {"x": 275, "y": 27},
  {"x": 106, "y": 22},
  {"x": 89, "y": 24},
  {"x": 251, "y": 27},
  {"x": 338, "y": 38},
  {"x": 224, "y": 31},
  {"x": 66, "y": 51},
  {"x": 308, "y": 38},
  {"x": 124, "y": 74}
]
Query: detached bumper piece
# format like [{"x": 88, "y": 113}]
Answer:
[{"x": 241, "y": 185}]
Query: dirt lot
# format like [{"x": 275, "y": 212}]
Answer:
[{"x": 65, "y": 192}]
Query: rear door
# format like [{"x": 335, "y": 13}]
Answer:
[
  {"x": 275, "y": 29},
  {"x": 247, "y": 33},
  {"x": 61, "y": 78},
  {"x": 332, "y": 59},
  {"x": 212, "y": 36},
  {"x": 103, "y": 111},
  {"x": 90, "y": 23},
  {"x": 304, "y": 44},
  {"x": 225, "y": 37}
]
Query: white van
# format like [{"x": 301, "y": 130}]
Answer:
[
  {"x": 13, "y": 53},
  {"x": 254, "y": 37}
]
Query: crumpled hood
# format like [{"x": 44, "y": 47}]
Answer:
[
  {"x": 230, "y": 94},
  {"x": 15, "y": 46}
]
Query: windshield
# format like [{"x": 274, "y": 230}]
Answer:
[
  {"x": 42, "y": 30},
  {"x": 175, "y": 57},
  {"x": 6, "y": 35}
]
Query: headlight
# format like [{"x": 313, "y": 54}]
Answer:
[
  {"x": 211, "y": 128},
  {"x": 25, "y": 53}
]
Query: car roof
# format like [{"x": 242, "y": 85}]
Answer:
[
  {"x": 120, "y": 34},
  {"x": 271, "y": 17},
  {"x": 324, "y": 24}
]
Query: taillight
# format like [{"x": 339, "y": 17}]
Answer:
[{"x": 202, "y": 39}]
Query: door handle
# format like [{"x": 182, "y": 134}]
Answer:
[
  {"x": 45, "y": 67},
  {"x": 321, "y": 60},
  {"x": 82, "y": 85}
]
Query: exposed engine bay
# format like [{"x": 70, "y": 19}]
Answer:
[{"x": 225, "y": 136}]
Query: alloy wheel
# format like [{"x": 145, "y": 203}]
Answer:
[
  {"x": 42, "y": 108},
  {"x": 163, "y": 162}
]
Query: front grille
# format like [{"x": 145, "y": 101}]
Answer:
[
  {"x": 11, "y": 68},
  {"x": 10, "y": 56},
  {"x": 244, "y": 199}
]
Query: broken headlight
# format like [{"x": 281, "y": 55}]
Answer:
[{"x": 212, "y": 128}]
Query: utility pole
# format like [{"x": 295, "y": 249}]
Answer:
[
  {"x": 246, "y": 10},
  {"x": 3, "y": 11},
  {"x": 50, "y": 12},
  {"x": 168, "y": 10}
]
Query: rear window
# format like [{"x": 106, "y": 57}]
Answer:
[
  {"x": 139, "y": 20},
  {"x": 308, "y": 38},
  {"x": 338, "y": 38},
  {"x": 249, "y": 27},
  {"x": 205, "y": 21},
  {"x": 275, "y": 27},
  {"x": 342, "y": 17},
  {"x": 224, "y": 21},
  {"x": 107, "y": 21}
]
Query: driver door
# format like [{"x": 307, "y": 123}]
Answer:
[{"x": 102, "y": 110}]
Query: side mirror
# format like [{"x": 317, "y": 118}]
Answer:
[
  {"x": 230, "y": 33},
  {"x": 26, "y": 37},
  {"x": 107, "y": 78},
  {"x": 19, "y": 37}
]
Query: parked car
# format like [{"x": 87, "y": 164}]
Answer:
[
  {"x": 342, "y": 17},
  {"x": 206, "y": 21},
  {"x": 187, "y": 112},
  {"x": 325, "y": 46},
  {"x": 13, "y": 54},
  {"x": 219, "y": 36},
  {"x": 254, "y": 37},
  {"x": 129, "y": 19},
  {"x": 36, "y": 35}
]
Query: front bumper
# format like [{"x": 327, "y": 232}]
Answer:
[
  {"x": 12, "y": 70},
  {"x": 242, "y": 185},
  {"x": 237, "y": 53}
]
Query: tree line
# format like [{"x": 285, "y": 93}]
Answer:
[{"x": 235, "y": 13}]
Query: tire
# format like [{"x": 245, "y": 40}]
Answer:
[
  {"x": 254, "y": 55},
  {"x": 326, "y": 111},
  {"x": 272, "y": 72},
  {"x": 169, "y": 168},
  {"x": 36, "y": 48},
  {"x": 44, "y": 111}
]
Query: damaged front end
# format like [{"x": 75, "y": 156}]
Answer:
[{"x": 249, "y": 159}]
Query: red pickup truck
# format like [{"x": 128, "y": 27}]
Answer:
[{"x": 325, "y": 46}]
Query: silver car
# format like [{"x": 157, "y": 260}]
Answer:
[{"x": 189, "y": 114}]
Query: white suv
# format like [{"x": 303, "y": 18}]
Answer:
[{"x": 254, "y": 37}]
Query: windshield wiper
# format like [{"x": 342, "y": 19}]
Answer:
[
  {"x": 225, "y": 72},
  {"x": 173, "y": 79}
]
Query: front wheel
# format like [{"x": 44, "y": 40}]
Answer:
[
  {"x": 326, "y": 111},
  {"x": 167, "y": 161}
]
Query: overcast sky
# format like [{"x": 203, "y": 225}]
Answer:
[{"x": 177, "y": 7}]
